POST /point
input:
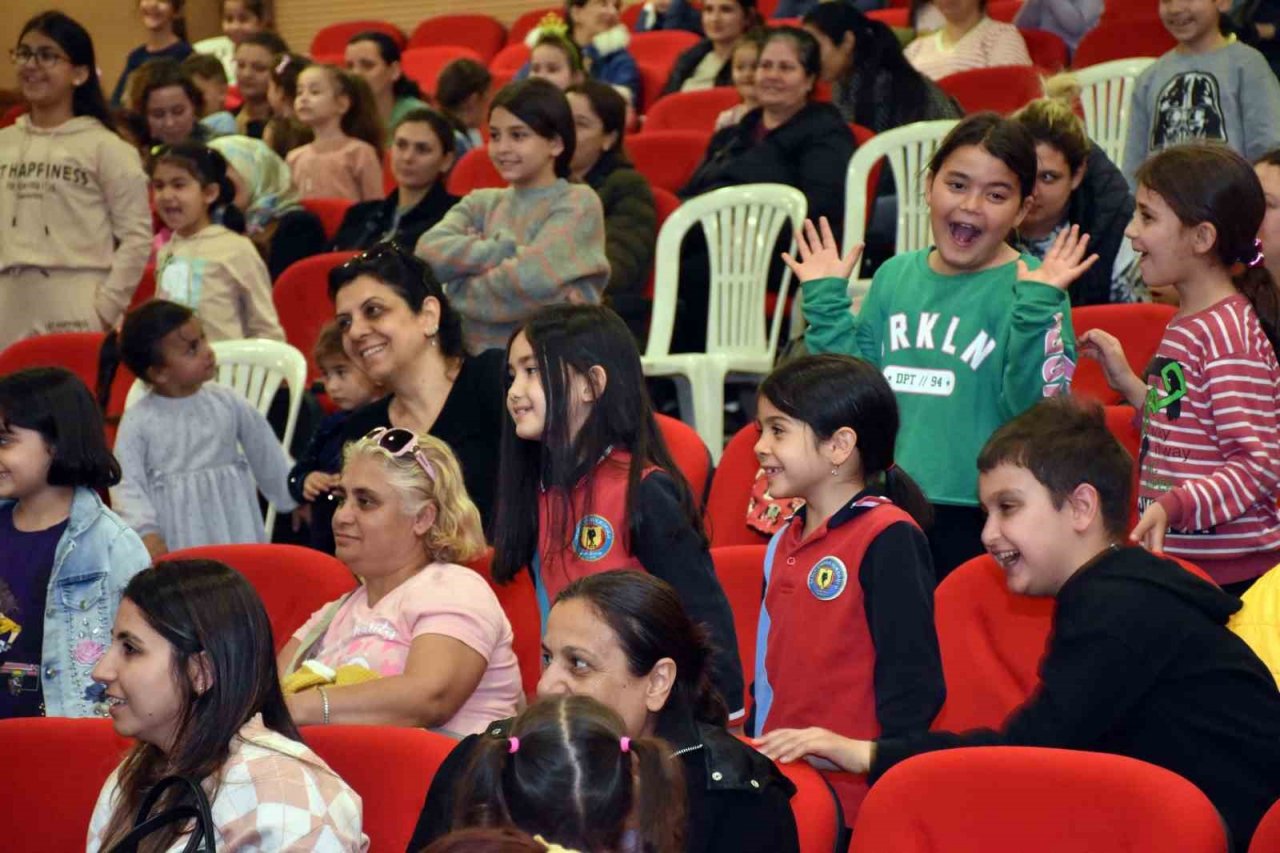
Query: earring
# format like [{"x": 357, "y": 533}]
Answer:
[{"x": 835, "y": 472}]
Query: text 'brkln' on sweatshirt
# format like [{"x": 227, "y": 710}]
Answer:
[
  {"x": 963, "y": 354},
  {"x": 74, "y": 197},
  {"x": 504, "y": 253},
  {"x": 1210, "y": 443},
  {"x": 219, "y": 274},
  {"x": 1189, "y": 97}
]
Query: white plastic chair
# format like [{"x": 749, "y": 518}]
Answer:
[
  {"x": 741, "y": 225},
  {"x": 907, "y": 150},
  {"x": 255, "y": 368},
  {"x": 1106, "y": 92}
]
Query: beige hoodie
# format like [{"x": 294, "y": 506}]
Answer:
[
  {"x": 219, "y": 274},
  {"x": 75, "y": 197}
]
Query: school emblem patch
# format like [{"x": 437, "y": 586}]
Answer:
[
  {"x": 827, "y": 578},
  {"x": 592, "y": 538}
]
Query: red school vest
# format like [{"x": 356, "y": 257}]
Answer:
[
  {"x": 819, "y": 658},
  {"x": 598, "y": 530}
]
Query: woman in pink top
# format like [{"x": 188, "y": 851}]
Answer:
[
  {"x": 968, "y": 40},
  {"x": 423, "y": 641},
  {"x": 345, "y": 160}
]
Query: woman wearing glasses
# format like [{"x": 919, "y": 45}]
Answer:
[
  {"x": 423, "y": 641},
  {"x": 75, "y": 226},
  {"x": 398, "y": 327}
]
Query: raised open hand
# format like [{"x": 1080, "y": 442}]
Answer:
[
  {"x": 820, "y": 254},
  {"x": 1063, "y": 263}
]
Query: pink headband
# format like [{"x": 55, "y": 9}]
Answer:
[
  {"x": 513, "y": 745},
  {"x": 625, "y": 743}
]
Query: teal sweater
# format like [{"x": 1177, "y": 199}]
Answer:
[{"x": 963, "y": 354}]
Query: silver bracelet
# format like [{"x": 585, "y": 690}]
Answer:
[{"x": 324, "y": 699}]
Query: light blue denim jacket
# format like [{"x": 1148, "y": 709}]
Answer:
[{"x": 94, "y": 560}]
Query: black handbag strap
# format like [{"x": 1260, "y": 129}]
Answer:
[{"x": 204, "y": 832}]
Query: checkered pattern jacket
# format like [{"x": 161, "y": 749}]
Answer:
[{"x": 272, "y": 794}]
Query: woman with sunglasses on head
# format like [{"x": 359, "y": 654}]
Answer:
[
  {"x": 398, "y": 327},
  {"x": 423, "y": 641}
]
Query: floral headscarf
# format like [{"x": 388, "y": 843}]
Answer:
[{"x": 271, "y": 192}]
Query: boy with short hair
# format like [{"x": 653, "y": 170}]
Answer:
[
  {"x": 211, "y": 79},
  {"x": 1139, "y": 662},
  {"x": 317, "y": 469},
  {"x": 1197, "y": 91}
]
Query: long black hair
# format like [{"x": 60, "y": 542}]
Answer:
[
  {"x": 876, "y": 51},
  {"x": 137, "y": 342},
  {"x": 830, "y": 392},
  {"x": 54, "y": 402},
  {"x": 214, "y": 620},
  {"x": 87, "y": 98},
  {"x": 570, "y": 773},
  {"x": 1208, "y": 182},
  {"x": 403, "y": 87},
  {"x": 577, "y": 338}
]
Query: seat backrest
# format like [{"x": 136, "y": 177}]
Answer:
[
  {"x": 668, "y": 158},
  {"x": 474, "y": 171},
  {"x": 424, "y": 64},
  {"x": 1139, "y": 328},
  {"x": 689, "y": 453},
  {"x": 330, "y": 212},
  {"x": 690, "y": 110},
  {"x": 653, "y": 78},
  {"x": 1106, "y": 97},
  {"x": 816, "y": 809},
  {"x": 631, "y": 16},
  {"x": 333, "y": 38},
  {"x": 391, "y": 768},
  {"x": 1003, "y": 10},
  {"x": 519, "y": 601},
  {"x": 508, "y": 62},
  {"x": 1266, "y": 838},
  {"x": 1112, "y": 40},
  {"x": 907, "y": 150},
  {"x": 661, "y": 47},
  {"x": 301, "y": 297},
  {"x": 58, "y": 767},
  {"x": 482, "y": 33},
  {"x": 293, "y": 582},
  {"x": 991, "y": 642},
  {"x": 666, "y": 203},
  {"x": 1048, "y": 51},
  {"x": 526, "y": 22},
  {"x": 1010, "y": 798},
  {"x": 75, "y": 351},
  {"x": 895, "y": 16},
  {"x": 1003, "y": 88},
  {"x": 726, "y": 515},
  {"x": 740, "y": 570},
  {"x": 742, "y": 225}
]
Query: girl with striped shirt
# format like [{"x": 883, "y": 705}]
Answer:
[{"x": 1209, "y": 477}]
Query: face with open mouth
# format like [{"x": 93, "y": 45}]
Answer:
[
  {"x": 182, "y": 203},
  {"x": 1193, "y": 22},
  {"x": 1024, "y": 532},
  {"x": 1160, "y": 240},
  {"x": 975, "y": 200},
  {"x": 143, "y": 695},
  {"x": 788, "y": 453}
]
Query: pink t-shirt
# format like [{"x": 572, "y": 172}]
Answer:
[
  {"x": 352, "y": 171},
  {"x": 444, "y": 599}
]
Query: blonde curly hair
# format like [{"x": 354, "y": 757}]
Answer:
[{"x": 457, "y": 535}]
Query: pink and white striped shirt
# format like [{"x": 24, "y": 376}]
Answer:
[
  {"x": 1210, "y": 451},
  {"x": 987, "y": 45}
]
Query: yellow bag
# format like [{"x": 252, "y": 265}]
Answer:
[{"x": 1258, "y": 622}]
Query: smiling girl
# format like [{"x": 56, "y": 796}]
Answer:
[
  {"x": 502, "y": 253},
  {"x": 707, "y": 63},
  {"x": 967, "y": 332},
  {"x": 166, "y": 39}
]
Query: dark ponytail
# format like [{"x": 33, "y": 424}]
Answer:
[
  {"x": 137, "y": 343},
  {"x": 1211, "y": 183},
  {"x": 829, "y": 392},
  {"x": 570, "y": 773}
]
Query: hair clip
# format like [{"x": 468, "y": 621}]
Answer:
[
  {"x": 285, "y": 59},
  {"x": 551, "y": 24},
  {"x": 625, "y": 743},
  {"x": 513, "y": 745},
  {"x": 1258, "y": 257}
]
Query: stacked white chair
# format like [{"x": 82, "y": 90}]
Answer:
[{"x": 1106, "y": 94}]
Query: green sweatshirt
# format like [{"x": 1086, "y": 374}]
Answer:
[{"x": 963, "y": 354}]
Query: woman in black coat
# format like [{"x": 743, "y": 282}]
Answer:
[{"x": 709, "y": 62}]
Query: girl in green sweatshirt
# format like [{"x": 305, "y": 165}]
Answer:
[{"x": 969, "y": 333}]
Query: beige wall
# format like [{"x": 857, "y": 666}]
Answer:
[{"x": 116, "y": 31}]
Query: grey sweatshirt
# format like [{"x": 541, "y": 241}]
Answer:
[{"x": 1187, "y": 97}]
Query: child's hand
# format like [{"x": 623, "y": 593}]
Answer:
[
  {"x": 1105, "y": 348},
  {"x": 1151, "y": 529},
  {"x": 844, "y": 753},
  {"x": 1063, "y": 263},
  {"x": 317, "y": 483},
  {"x": 156, "y": 546},
  {"x": 820, "y": 255}
]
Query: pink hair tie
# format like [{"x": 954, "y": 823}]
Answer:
[
  {"x": 625, "y": 743},
  {"x": 513, "y": 745},
  {"x": 1258, "y": 257}
]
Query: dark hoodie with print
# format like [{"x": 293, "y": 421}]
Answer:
[{"x": 1140, "y": 663}]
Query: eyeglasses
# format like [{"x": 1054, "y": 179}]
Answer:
[
  {"x": 43, "y": 57},
  {"x": 399, "y": 442}
]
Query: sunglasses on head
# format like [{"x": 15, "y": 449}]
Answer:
[{"x": 398, "y": 442}]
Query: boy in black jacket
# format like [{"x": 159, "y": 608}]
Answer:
[{"x": 1139, "y": 662}]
